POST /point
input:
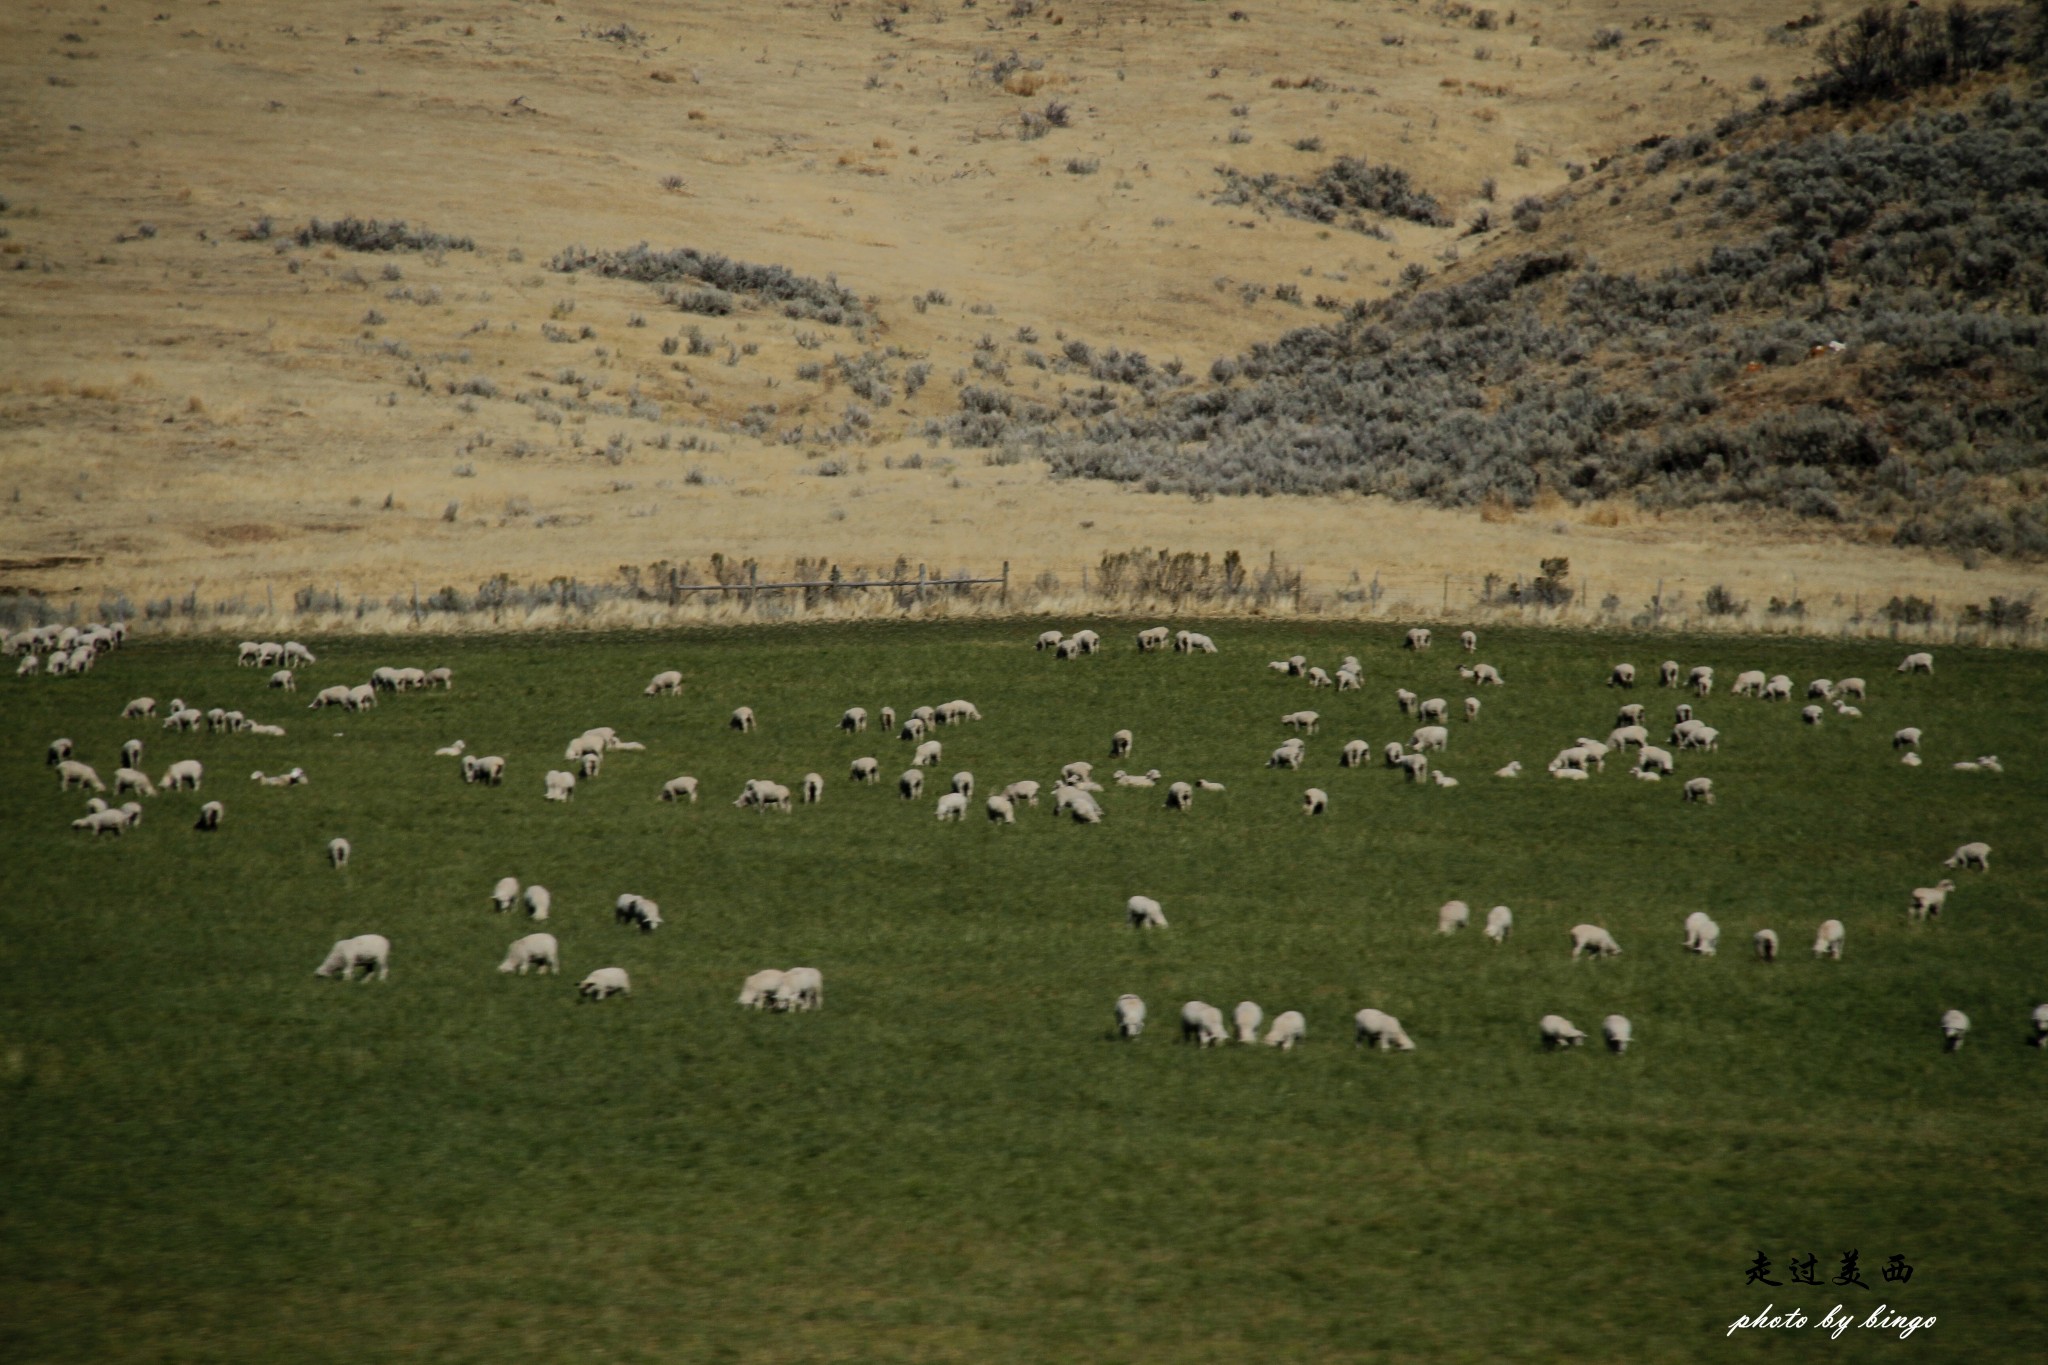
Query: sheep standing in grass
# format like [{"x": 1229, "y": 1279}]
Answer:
[
  {"x": 210, "y": 816},
  {"x": 1591, "y": 939},
  {"x": 1766, "y": 943},
  {"x": 1749, "y": 684},
  {"x": 1828, "y": 941},
  {"x": 1084, "y": 808},
  {"x": 133, "y": 779},
  {"x": 535, "y": 952},
  {"x": 1416, "y": 766},
  {"x": 1702, "y": 935},
  {"x": 1471, "y": 708},
  {"x": 758, "y": 991},
  {"x": 337, "y": 852},
  {"x": 1144, "y": 913},
  {"x": 1917, "y": 663},
  {"x": 1288, "y": 755},
  {"x": 1428, "y": 737},
  {"x": 1001, "y": 810},
  {"x": 1048, "y": 639},
  {"x": 1667, "y": 673},
  {"x": 1405, "y": 699},
  {"x": 1700, "y": 789},
  {"x": 1954, "y": 1026},
  {"x": 1500, "y": 922},
  {"x": 1290, "y": 1028},
  {"x": 1559, "y": 1031},
  {"x": 1470, "y": 640},
  {"x": 1154, "y": 637},
  {"x": 1025, "y": 792},
  {"x": 1434, "y": 710},
  {"x": 1380, "y": 1031},
  {"x": 928, "y": 754},
  {"x": 952, "y": 806},
  {"x": 370, "y": 952},
  {"x": 1246, "y": 1018},
  {"x": 1180, "y": 796},
  {"x": 1130, "y": 1016},
  {"x": 1811, "y": 715},
  {"x": 1315, "y": 801},
  {"x": 638, "y": 911},
  {"x": 114, "y": 822},
  {"x": 505, "y": 894},
  {"x": 538, "y": 901},
  {"x": 911, "y": 785},
  {"x": 742, "y": 720},
  {"x": 1355, "y": 754},
  {"x": 865, "y": 770},
  {"x": 604, "y": 983},
  {"x": 2040, "y": 1038},
  {"x": 854, "y": 721},
  {"x": 560, "y": 786},
  {"x": 141, "y": 706},
  {"x": 1452, "y": 916},
  {"x": 1622, "y": 675},
  {"x": 802, "y": 990},
  {"x": 71, "y": 773},
  {"x": 1618, "y": 1032},
  {"x": 59, "y": 750},
  {"x": 1202, "y": 1024},
  {"x": 669, "y": 683},
  {"x": 682, "y": 789},
  {"x": 1303, "y": 722},
  {"x": 1929, "y": 900},
  {"x": 1417, "y": 638},
  {"x": 1976, "y": 855}
]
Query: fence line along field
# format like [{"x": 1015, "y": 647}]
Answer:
[{"x": 948, "y": 1146}]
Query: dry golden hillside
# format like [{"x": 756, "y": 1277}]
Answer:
[{"x": 192, "y": 401}]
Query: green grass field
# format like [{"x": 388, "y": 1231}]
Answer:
[{"x": 209, "y": 1155}]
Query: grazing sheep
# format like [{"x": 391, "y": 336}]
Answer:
[
  {"x": 952, "y": 806},
  {"x": 1380, "y": 1031},
  {"x": 327, "y": 696},
  {"x": 30, "y": 664},
  {"x": 604, "y": 983},
  {"x": 505, "y": 894},
  {"x": 1405, "y": 700},
  {"x": 535, "y": 951},
  {"x": 1202, "y": 1023},
  {"x": 1435, "y": 709},
  {"x": 1026, "y": 791},
  {"x": 1652, "y": 761},
  {"x": 1315, "y": 801},
  {"x": 1067, "y": 649},
  {"x": 561, "y": 786},
  {"x": 538, "y": 900},
  {"x": 1154, "y": 637},
  {"x": 1318, "y": 677},
  {"x": 1702, "y": 737},
  {"x": 1812, "y": 715},
  {"x": 1701, "y": 680},
  {"x": 1469, "y": 640},
  {"x": 1471, "y": 708},
  {"x": 814, "y": 789},
  {"x": 1702, "y": 935},
  {"x": 1591, "y": 938},
  {"x": 957, "y": 710},
  {"x": 1288, "y": 755},
  {"x": 1622, "y": 675},
  {"x": 337, "y": 852},
  {"x": 1289, "y": 1029},
  {"x": 1853, "y": 687},
  {"x": 742, "y": 720},
  {"x": 1120, "y": 744},
  {"x": 638, "y": 911},
  {"x": 1700, "y": 789},
  {"x": 802, "y": 990},
  {"x": 1350, "y": 680},
  {"x": 1303, "y": 721},
  {"x": 1197, "y": 643},
  {"x": 1820, "y": 688},
  {"x": 1500, "y": 922},
  {"x": 1667, "y": 673},
  {"x": 855, "y": 720},
  {"x": 114, "y": 822},
  {"x": 1048, "y": 639},
  {"x": 1749, "y": 684},
  {"x": 928, "y": 754},
  {"x": 768, "y": 796},
  {"x": 1084, "y": 809},
  {"x": 1618, "y": 1032},
  {"x": 591, "y": 766},
  {"x": 1766, "y": 943},
  {"x": 1559, "y": 1031},
  {"x": 1130, "y": 1016},
  {"x": 141, "y": 706},
  {"x": 1828, "y": 941},
  {"x": 371, "y": 952},
  {"x": 490, "y": 769},
  {"x": 1001, "y": 810},
  {"x": 1078, "y": 771},
  {"x": 1513, "y": 769},
  {"x": 1087, "y": 641},
  {"x": 296, "y": 653},
  {"x": 185, "y": 774},
  {"x": 1355, "y": 754},
  {"x": 445, "y": 677},
  {"x": 1297, "y": 665},
  {"x": 1246, "y": 1018},
  {"x": 283, "y": 681},
  {"x": 2040, "y": 1038},
  {"x": 1452, "y": 916},
  {"x": 1970, "y": 855},
  {"x": 1418, "y": 638},
  {"x": 1486, "y": 675},
  {"x": 886, "y": 718},
  {"x": 911, "y": 785},
  {"x": 1180, "y": 796},
  {"x": 1917, "y": 663},
  {"x": 684, "y": 789},
  {"x": 757, "y": 992},
  {"x": 1144, "y": 913},
  {"x": 1416, "y": 766},
  {"x": 131, "y": 779},
  {"x": 1929, "y": 900},
  {"x": 1429, "y": 737},
  {"x": 1621, "y": 736},
  {"x": 865, "y": 770},
  {"x": 210, "y": 816},
  {"x": 670, "y": 683},
  {"x": 1954, "y": 1025},
  {"x": 1777, "y": 688},
  {"x": 71, "y": 773}
]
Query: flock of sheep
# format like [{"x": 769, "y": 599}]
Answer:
[{"x": 1074, "y": 794}]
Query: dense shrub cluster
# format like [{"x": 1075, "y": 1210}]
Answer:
[
  {"x": 697, "y": 279},
  {"x": 368, "y": 234},
  {"x": 1342, "y": 193}
]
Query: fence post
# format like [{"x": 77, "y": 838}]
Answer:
[
  {"x": 1006, "y": 583},
  {"x": 753, "y": 581},
  {"x": 920, "y": 585}
]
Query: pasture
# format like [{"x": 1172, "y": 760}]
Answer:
[{"x": 211, "y": 1155}]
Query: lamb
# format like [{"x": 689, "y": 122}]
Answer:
[
  {"x": 1622, "y": 675},
  {"x": 1568, "y": 774},
  {"x": 1471, "y": 708},
  {"x": 1513, "y": 769},
  {"x": 865, "y": 770},
  {"x": 1500, "y": 922},
  {"x": 538, "y": 951},
  {"x": 1067, "y": 649},
  {"x": 1197, "y": 643},
  {"x": 1418, "y": 638},
  {"x": 1079, "y": 772},
  {"x": 1315, "y": 801},
  {"x": 802, "y": 990},
  {"x": 742, "y": 720},
  {"x": 771, "y": 796},
  {"x": 604, "y": 983},
  {"x": 1443, "y": 779},
  {"x": 1701, "y": 737},
  {"x": 1205, "y": 785},
  {"x": 1380, "y": 1031},
  {"x": 113, "y": 821},
  {"x": 1591, "y": 938},
  {"x": 1847, "y": 712},
  {"x": 952, "y": 806},
  {"x": 505, "y": 894},
  {"x": 1954, "y": 1025},
  {"x": 638, "y": 911},
  {"x": 670, "y": 682},
  {"x": 1618, "y": 1032},
  {"x": 1917, "y": 663},
  {"x": 1354, "y": 754},
  {"x": 814, "y": 789},
  {"x": 131, "y": 779},
  {"x": 1180, "y": 796},
  {"x": 1749, "y": 684},
  {"x": 1559, "y": 1031},
  {"x": 591, "y": 766},
  {"x": 1970, "y": 855},
  {"x": 1702, "y": 935},
  {"x": 1289, "y": 1029},
  {"x": 337, "y": 852},
  {"x": 957, "y": 710},
  {"x": 1120, "y": 744},
  {"x": 1026, "y": 792},
  {"x": 1203, "y": 1023},
  {"x": 561, "y": 786},
  {"x": 361, "y": 697},
  {"x": 758, "y": 991},
  {"x": 1297, "y": 665},
  {"x": 1828, "y": 942},
  {"x": 1667, "y": 673},
  {"x": 245, "y": 654},
  {"x": 1576, "y": 759},
  {"x": 2040, "y": 1038},
  {"x": 1486, "y": 675},
  {"x": 1001, "y": 810},
  {"x": 1144, "y": 913},
  {"x": 30, "y": 664},
  {"x": 1303, "y": 721},
  {"x": 928, "y": 754},
  {"x": 1452, "y": 916},
  {"x": 1811, "y": 715},
  {"x": 296, "y": 653},
  {"x": 1350, "y": 680},
  {"x": 911, "y": 785},
  {"x": 371, "y": 952},
  {"x": 538, "y": 901},
  {"x": 141, "y": 706},
  {"x": 1700, "y": 789},
  {"x": 1429, "y": 737},
  {"x": 855, "y": 720},
  {"x": 1766, "y": 943},
  {"x": 1087, "y": 641},
  {"x": 1469, "y": 640},
  {"x": 1986, "y": 763},
  {"x": 1435, "y": 709},
  {"x": 445, "y": 677},
  {"x": 454, "y": 750},
  {"x": 1929, "y": 900},
  {"x": 210, "y": 816},
  {"x": 684, "y": 789},
  {"x": 1130, "y": 1016}
]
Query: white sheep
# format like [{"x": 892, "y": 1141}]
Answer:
[
  {"x": 1469, "y": 640},
  {"x": 1500, "y": 922},
  {"x": 1297, "y": 664},
  {"x": 911, "y": 785},
  {"x": 1702, "y": 935},
  {"x": 112, "y": 821},
  {"x": 1153, "y": 637},
  {"x": 2040, "y": 1038},
  {"x": 604, "y": 983},
  {"x": 682, "y": 789},
  {"x": 1435, "y": 709},
  {"x": 670, "y": 682},
  {"x": 1318, "y": 677},
  {"x": 1180, "y": 796},
  {"x": 1929, "y": 900},
  {"x": 1618, "y": 1032},
  {"x": 1130, "y": 1016},
  {"x": 928, "y": 754},
  {"x": 1428, "y": 737},
  {"x": 1315, "y": 801},
  {"x": 210, "y": 816},
  {"x": 1203, "y": 1023},
  {"x": 1591, "y": 938},
  {"x": 337, "y": 695},
  {"x": 1380, "y": 1031},
  {"x": 855, "y": 720},
  {"x": 1404, "y": 699},
  {"x": 886, "y": 718},
  {"x": 1954, "y": 1025},
  {"x": 1197, "y": 643},
  {"x": 338, "y": 851},
  {"x": 1416, "y": 766},
  {"x": 133, "y": 779},
  {"x": 1471, "y": 708},
  {"x": 371, "y": 952},
  {"x": 1621, "y": 736},
  {"x": 1811, "y": 715},
  {"x": 1303, "y": 721},
  {"x": 1486, "y": 675},
  {"x": 1568, "y": 774},
  {"x": 506, "y": 893},
  {"x": 1246, "y": 1018},
  {"x": 454, "y": 750},
  {"x": 1652, "y": 761},
  {"x": 538, "y": 900},
  {"x": 1970, "y": 855},
  {"x": 1765, "y": 941},
  {"x": 1828, "y": 941},
  {"x": 1088, "y": 641},
  {"x": 638, "y": 911},
  {"x": 958, "y": 710},
  {"x": 814, "y": 788},
  {"x": 1559, "y": 1031},
  {"x": 29, "y": 666},
  {"x": 1205, "y": 785},
  {"x": 802, "y": 990},
  {"x": 1622, "y": 675},
  {"x": 591, "y": 766},
  {"x": 865, "y": 770},
  {"x": 1917, "y": 663},
  {"x": 1001, "y": 810},
  {"x": 534, "y": 952},
  {"x": 1355, "y": 754},
  {"x": 141, "y": 706},
  {"x": 1749, "y": 684},
  {"x": 1853, "y": 687},
  {"x": 1289, "y": 1029},
  {"x": 1513, "y": 769},
  {"x": 1700, "y": 789},
  {"x": 742, "y": 720},
  {"x": 1144, "y": 913},
  {"x": 1067, "y": 649},
  {"x": 1777, "y": 688},
  {"x": 757, "y": 992},
  {"x": 1288, "y": 755},
  {"x": 1350, "y": 680},
  {"x": 1452, "y": 916},
  {"x": 71, "y": 773},
  {"x": 1026, "y": 792},
  {"x": 952, "y": 806},
  {"x": 1417, "y": 638},
  {"x": 1847, "y": 712},
  {"x": 283, "y": 681},
  {"x": 1986, "y": 763},
  {"x": 1443, "y": 779},
  {"x": 560, "y": 786},
  {"x": 1820, "y": 688},
  {"x": 490, "y": 769}
]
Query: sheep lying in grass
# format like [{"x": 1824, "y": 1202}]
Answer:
[{"x": 369, "y": 952}]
